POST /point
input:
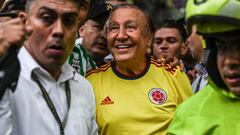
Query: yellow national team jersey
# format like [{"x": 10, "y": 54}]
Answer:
[{"x": 139, "y": 105}]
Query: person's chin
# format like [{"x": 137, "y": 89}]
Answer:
[
  {"x": 100, "y": 53},
  {"x": 122, "y": 58},
  {"x": 235, "y": 89},
  {"x": 164, "y": 55}
]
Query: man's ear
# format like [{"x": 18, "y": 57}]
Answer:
[
  {"x": 23, "y": 16},
  {"x": 28, "y": 28},
  {"x": 81, "y": 30},
  {"x": 184, "y": 48}
]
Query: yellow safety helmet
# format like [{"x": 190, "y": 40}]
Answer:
[{"x": 213, "y": 16}]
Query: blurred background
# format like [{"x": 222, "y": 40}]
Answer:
[{"x": 160, "y": 10}]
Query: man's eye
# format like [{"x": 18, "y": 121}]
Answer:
[
  {"x": 158, "y": 41},
  {"x": 221, "y": 47},
  {"x": 131, "y": 27},
  {"x": 98, "y": 27},
  {"x": 69, "y": 21},
  {"x": 47, "y": 18},
  {"x": 171, "y": 40},
  {"x": 84, "y": 7},
  {"x": 113, "y": 28}
]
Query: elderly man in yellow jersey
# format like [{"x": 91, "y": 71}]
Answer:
[{"x": 135, "y": 95}]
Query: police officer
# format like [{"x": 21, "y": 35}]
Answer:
[{"x": 215, "y": 109}]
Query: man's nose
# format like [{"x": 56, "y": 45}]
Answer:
[
  {"x": 121, "y": 35},
  {"x": 164, "y": 44},
  {"x": 58, "y": 30}
]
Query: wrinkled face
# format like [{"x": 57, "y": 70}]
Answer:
[
  {"x": 195, "y": 44},
  {"x": 228, "y": 62},
  {"x": 127, "y": 35},
  {"x": 84, "y": 10},
  {"x": 167, "y": 42},
  {"x": 54, "y": 24},
  {"x": 94, "y": 39}
]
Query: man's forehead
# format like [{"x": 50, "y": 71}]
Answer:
[
  {"x": 127, "y": 20},
  {"x": 168, "y": 31},
  {"x": 231, "y": 39},
  {"x": 58, "y": 5},
  {"x": 129, "y": 14}
]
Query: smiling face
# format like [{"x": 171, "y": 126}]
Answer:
[
  {"x": 128, "y": 35},
  {"x": 54, "y": 24},
  {"x": 228, "y": 62}
]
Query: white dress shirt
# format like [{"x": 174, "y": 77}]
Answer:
[
  {"x": 30, "y": 114},
  {"x": 5, "y": 115}
]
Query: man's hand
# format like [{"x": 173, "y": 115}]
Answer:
[
  {"x": 12, "y": 32},
  {"x": 192, "y": 74},
  {"x": 172, "y": 62}
]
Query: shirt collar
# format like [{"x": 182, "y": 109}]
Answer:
[
  {"x": 28, "y": 65},
  {"x": 223, "y": 91},
  {"x": 201, "y": 68}
]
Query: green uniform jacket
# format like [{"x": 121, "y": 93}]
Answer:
[{"x": 212, "y": 111}]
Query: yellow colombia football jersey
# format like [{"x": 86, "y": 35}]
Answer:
[{"x": 139, "y": 105}]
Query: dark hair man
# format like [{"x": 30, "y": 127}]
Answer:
[
  {"x": 50, "y": 97},
  {"x": 170, "y": 40}
]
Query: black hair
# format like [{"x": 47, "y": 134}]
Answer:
[
  {"x": 174, "y": 24},
  {"x": 118, "y": 0},
  {"x": 29, "y": 2}
]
